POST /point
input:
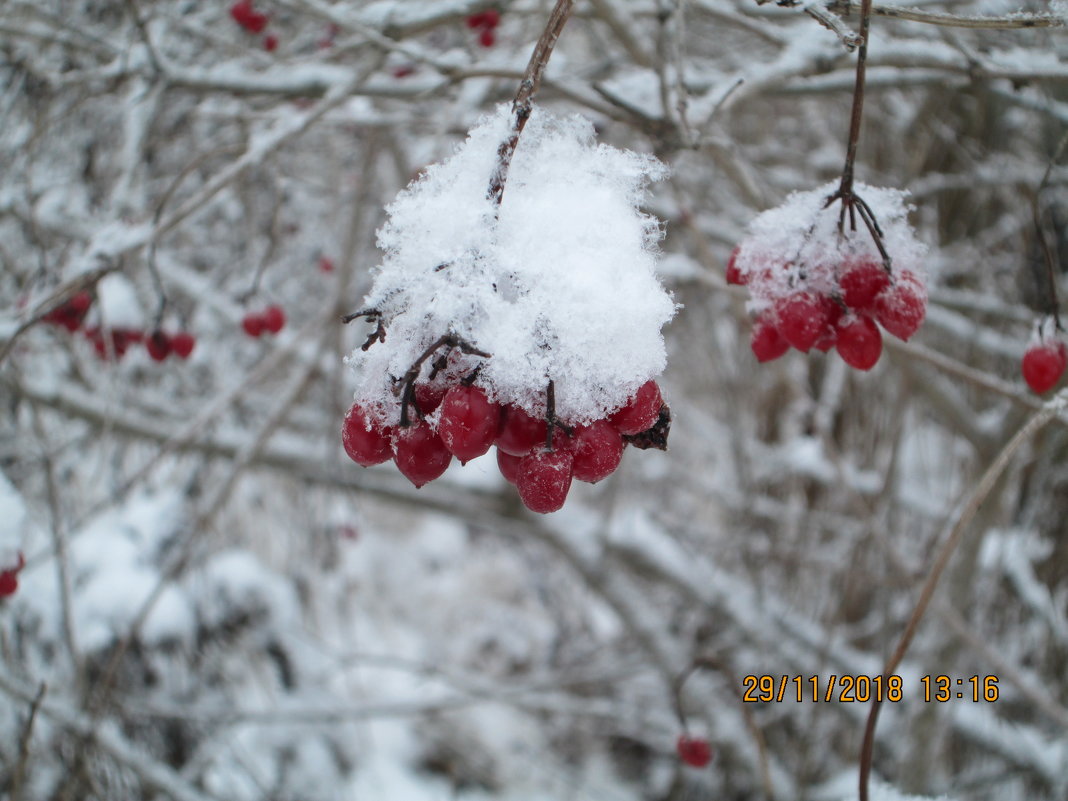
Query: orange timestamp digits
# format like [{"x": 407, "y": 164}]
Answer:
[{"x": 844, "y": 688}]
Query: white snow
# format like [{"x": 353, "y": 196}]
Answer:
[{"x": 12, "y": 519}]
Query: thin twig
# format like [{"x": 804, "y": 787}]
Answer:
[{"x": 24, "y": 744}]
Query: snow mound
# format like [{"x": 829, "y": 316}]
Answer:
[{"x": 561, "y": 285}]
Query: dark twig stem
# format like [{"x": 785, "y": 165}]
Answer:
[
  {"x": 523, "y": 103},
  {"x": 550, "y": 414},
  {"x": 845, "y": 189},
  {"x": 449, "y": 341}
]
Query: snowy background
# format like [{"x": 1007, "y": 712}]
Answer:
[{"x": 217, "y": 604}]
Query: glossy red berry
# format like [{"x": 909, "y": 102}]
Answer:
[
  {"x": 543, "y": 479},
  {"x": 158, "y": 345},
  {"x": 902, "y": 306},
  {"x": 420, "y": 454},
  {"x": 274, "y": 319},
  {"x": 766, "y": 341},
  {"x": 734, "y": 275},
  {"x": 1043, "y": 365},
  {"x": 801, "y": 318},
  {"x": 508, "y": 465},
  {"x": 366, "y": 441},
  {"x": 182, "y": 344},
  {"x": 859, "y": 342},
  {"x": 428, "y": 397},
  {"x": 468, "y": 422},
  {"x": 521, "y": 432},
  {"x": 694, "y": 751},
  {"x": 861, "y": 281},
  {"x": 253, "y": 324},
  {"x": 597, "y": 450},
  {"x": 641, "y": 412}
]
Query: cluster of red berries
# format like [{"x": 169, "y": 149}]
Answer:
[
  {"x": 253, "y": 21},
  {"x": 271, "y": 320},
  {"x": 462, "y": 421},
  {"x": 844, "y": 316},
  {"x": 485, "y": 22},
  {"x": 694, "y": 751},
  {"x": 1044, "y": 363},
  {"x": 9, "y": 578},
  {"x": 71, "y": 314},
  {"x": 160, "y": 344}
]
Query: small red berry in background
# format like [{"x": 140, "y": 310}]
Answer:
[
  {"x": 485, "y": 22},
  {"x": 274, "y": 319},
  {"x": 641, "y": 412},
  {"x": 182, "y": 344},
  {"x": 71, "y": 314},
  {"x": 735, "y": 277},
  {"x": 326, "y": 264},
  {"x": 487, "y": 38},
  {"x": 158, "y": 345},
  {"x": 247, "y": 17},
  {"x": 9, "y": 578},
  {"x": 270, "y": 43},
  {"x": 694, "y": 751},
  {"x": 543, "y": 479},
  {"x": 253, "y": 324},
  {"x": 366, "y": 441},
  {"x": 403, "y": 70},
  {"x": 1043, "y": 364}
]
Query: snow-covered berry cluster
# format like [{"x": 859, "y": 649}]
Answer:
[
  {"x": 1045, "y": 359},
  {"x": 821, "y": 276},
  {"x": 533, "y": 324}
]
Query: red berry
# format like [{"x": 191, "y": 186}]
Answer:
[
  {"x": 597, "y": 450},
  {"x": 428, "y": 397},
  {"x": 508, "y": 465},
  {"x": 182, "y": 344},
  {"x": 829, "y": 335},
  {"x": 247, "y": 17},
  {"x": 694, "y": 751},
  {"x": 420, "y": 454},
  {"x": 476, "y": 21},
  {"x": 734, "y": 275},
  {"x": 491, "y": 18},
  {"x": 403, "y": 70},
  {"x": 766, "y": 341},
  {"x": 861, "y": 281},
  {"x": 1043, "y": 365},
  {"x": 274, "y": 319},
  {"x": 901, "y": 307},
  {"x": 543, "y": 479},
  {"x": 158, "y": 346},
  {"x": 468, "y": 422},
  {"x": 641, "y": 412},
  {"x": 270, "y": 43},
  {"x": 9, "y": 583},
  {"x": 521, "y": 432},
  {"x": 802, "y": 317},
  {"x": 487, "y": 37},
  {"x": 859, "y": 342},
  {"x": 253, "y": 324},
  {"x": 326, "y": 264},
  {"x": 366, "y": 441}
]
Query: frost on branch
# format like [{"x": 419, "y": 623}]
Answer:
[{"x": 557, "y": 284}]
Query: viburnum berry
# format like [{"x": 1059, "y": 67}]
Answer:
[
  {"x": 420, "y": 454},
  {"x": 270, "y": 43},
  {"x": 543, "y": 479},
  {"x": 861, "y": 281},
  {"x": 158, "y": 345},
  {"x": 859, "y": 342},
  {"x": 521, "y": 432},
  {"x": 832, "y": 313},
  {"x": 428, "y": 397},
  {"x": 247, "y": 17},
  {"x": 490, "y": 18},
  {"x": 9, "y": 578},
  {"x": 902, "y": 306},
  {"x": 274, "y": 319},
  {"x": 734, "y": 275},
  {"x": 1043, "y": 365},
  {"x": 597, "y": 450},
  {"x": 641, "y": 412},
  {"x": 468, "y": 422},
  {"x": 487, "y": 38},
  {"x": 253, "y": 324},
  {"x": 508, "y": 465},
  {"x": 182, "y": 344},
  {"x": 766, "y": 341},
  {"x": 801, "y": 318},
  {"x": 694, "y": 751},
  {"x": 366, "y": 441},
  {"x": 326, "y": 264}
]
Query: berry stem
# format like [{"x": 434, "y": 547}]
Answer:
[
  {"x": 523, "y": 103},
  {"x": 449, "y": 341},
  {"x": 373, "y": 316},
  {"x": 845, "y": 189},
  {"x": 550, "y": 414}
]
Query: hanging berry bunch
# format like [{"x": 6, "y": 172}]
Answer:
[{"x": 528, "y": 318}]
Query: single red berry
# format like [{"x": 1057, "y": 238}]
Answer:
[
  {"x": 158, "y": 346},
  {"x": 476, "y": 21},
  {"x": 274, "y": 319},
  {"x": 543, "y": 479},
  {"x": 326, "y": 264},
  {"x": 902, "y": 306},
  {"x": 420, "y": 454},
  {"x": 366, "y": 441},
  {"x": 491, "y": 18},
  {"x": 247, "y": 17},
  {"x": 9, "y": 583},
  {"x": 832, "y": 313},
  {"x": 67, "y": 319},
  {"x": 270, "y": 43},
  {"x": 403, "y": 70},
  {"x": 734, "y": 275},
  {"x": 1043, "y": 365},
  {"x": 694, "y": 751},
  {"x": 468, "y": 422},
  {"x": 182, "y": 344},
  {"x": 641, "y": 412},
  {"x": 123, "y": 338},
  {"x": 859, "y": 342},
  {"x": 861, "y": 281},
  {"x": 80, "y": 302},
  {"x": 428, "y": 397},
  {"x": 766, "y": 341},
  {"x": 487, "y": 38},
  {"x": 597, "y": 450},
  {"x": 521, "y": 432},
  {"x": 508, "y": 465},
  {"x": 801, "y": 318},
  {"x": 253, "y": 324}
]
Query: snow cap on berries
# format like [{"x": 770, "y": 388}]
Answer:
[{"x": 561, "y": 286}]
